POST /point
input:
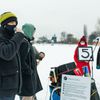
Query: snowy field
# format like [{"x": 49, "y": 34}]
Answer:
[{"x": 57, "y": 55}]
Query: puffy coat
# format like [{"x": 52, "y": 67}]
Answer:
[
  {"x": 10, "y": 78},
  {"x": 30, "y": 80}
]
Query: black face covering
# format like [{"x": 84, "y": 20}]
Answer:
[{"x": 10, "y": 28}]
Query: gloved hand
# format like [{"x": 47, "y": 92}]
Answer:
[{"x": 41, "y": 55}]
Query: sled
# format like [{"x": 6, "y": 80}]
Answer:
[{"x": 55, "y": 78}]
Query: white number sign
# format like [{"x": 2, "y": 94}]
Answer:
[{"x": 85, "y": 53}]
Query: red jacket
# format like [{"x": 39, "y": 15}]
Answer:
[{"x": 80, "y": 64}]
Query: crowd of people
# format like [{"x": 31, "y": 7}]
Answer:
[{"x": 18, "y": 60}]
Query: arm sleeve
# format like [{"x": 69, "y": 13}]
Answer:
[
  {"x": 36, "y": 53},
  {"x": 9, "y": 49}
]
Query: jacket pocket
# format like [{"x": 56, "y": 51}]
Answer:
[{"x": 9, "y": 80}]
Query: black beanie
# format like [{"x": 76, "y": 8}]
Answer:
[{"x": 7, "y": 17}]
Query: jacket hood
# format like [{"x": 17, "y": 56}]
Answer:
[{"x": 83, "y": 41}]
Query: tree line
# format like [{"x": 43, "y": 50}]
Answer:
[{"x": 69, "y": 38}]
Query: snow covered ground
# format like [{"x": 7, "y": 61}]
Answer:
[{"x": 56, "y": 55}]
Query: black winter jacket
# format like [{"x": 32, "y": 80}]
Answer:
[
  {"x": 9, "y": 62},
  {"x": 30, "y": 80}
]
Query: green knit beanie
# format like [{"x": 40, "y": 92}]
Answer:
[{"x": 28, "y": 30}]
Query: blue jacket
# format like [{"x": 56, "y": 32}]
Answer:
[{"x": 55, "y": 95}]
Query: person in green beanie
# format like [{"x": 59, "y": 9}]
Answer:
[
  {"x": 29, "y": 55},
  {"x": 29, "y": 30},
  {"x": 10, "y": 65}
]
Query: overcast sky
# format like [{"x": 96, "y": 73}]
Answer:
[{"x": 54, "y": 16}]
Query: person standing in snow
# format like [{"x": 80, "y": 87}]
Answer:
[
  {"x": 10, "y": 41},
  {"x": 30, "y": 79},
  {"x": 81, "y": 64}
]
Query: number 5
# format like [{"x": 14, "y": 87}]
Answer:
[{"x": 86, "y": 52}]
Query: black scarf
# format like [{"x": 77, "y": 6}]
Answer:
[{"x": 6, "y": 33}]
